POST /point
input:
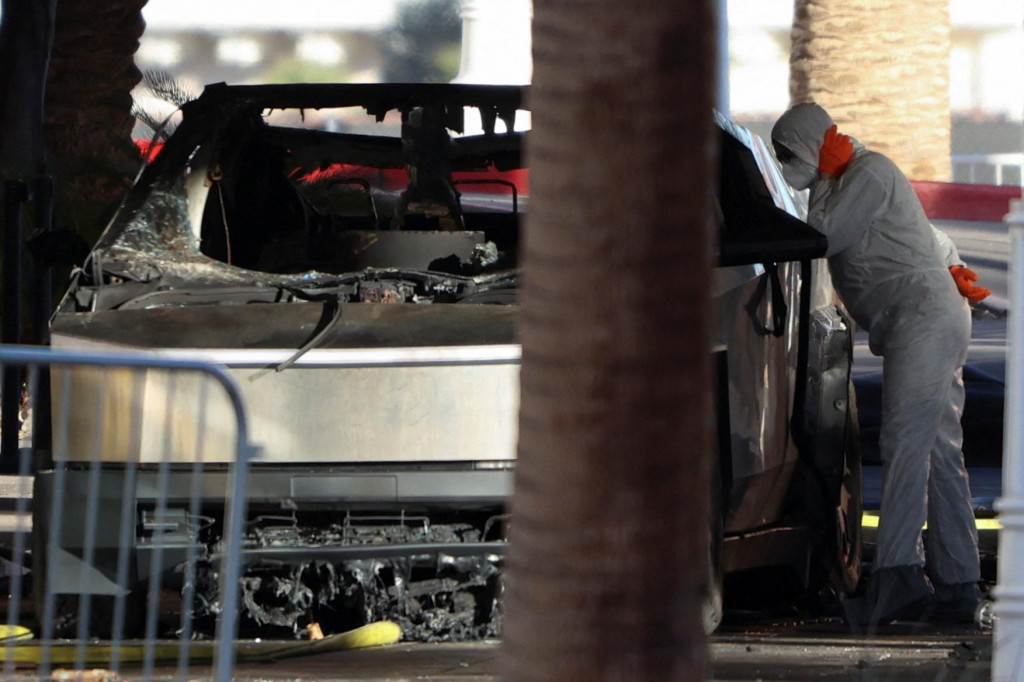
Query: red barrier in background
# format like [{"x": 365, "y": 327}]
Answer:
[
  {"x": 941, "y": 200},
  {"x": 389, "y": 178},
  {"x": 958, "y": 201},
  {"x": 398, "y": 178}
]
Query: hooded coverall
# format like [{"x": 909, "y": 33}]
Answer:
[{"x": 890, "y": 268}]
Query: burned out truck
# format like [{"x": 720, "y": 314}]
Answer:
[{"x": 349, "y": 252}]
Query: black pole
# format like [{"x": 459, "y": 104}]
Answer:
[
  {"x": 42, "y": 307},
  {"x": 42, "y": 288},
  {"x": 15, "y": 194}
]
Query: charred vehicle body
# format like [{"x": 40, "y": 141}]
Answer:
[{"x": 361, "y": 286}]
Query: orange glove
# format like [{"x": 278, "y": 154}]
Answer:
[
  {"x": 965, "y": 278},
  {"x": 835, "y": 153}
]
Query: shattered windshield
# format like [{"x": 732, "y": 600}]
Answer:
[{"x": 309, "y": 197}]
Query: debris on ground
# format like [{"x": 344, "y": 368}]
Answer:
[{"x": 94, "y": 675}]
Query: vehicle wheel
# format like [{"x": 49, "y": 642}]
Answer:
[
  {"x": 712, "y": 607},
  {"x": 846, "y": 544},
  {"x": 836, "y": 564}
]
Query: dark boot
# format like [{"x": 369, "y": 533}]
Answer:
[
  {"x": 957, "y": 603},
  {"x": 894, "y": 593}
]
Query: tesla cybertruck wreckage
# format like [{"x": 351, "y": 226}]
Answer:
[{"x": 349, "y": 253}]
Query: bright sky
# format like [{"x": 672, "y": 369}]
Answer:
[
  {"x": 758, "y": 60},
  {"x": 269, "y": 14},
  {"x": 221, "y": 14}
]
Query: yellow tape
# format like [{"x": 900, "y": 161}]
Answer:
[
  {"x": 133, "y": 652},
  {"x": 870, "y": 520}
]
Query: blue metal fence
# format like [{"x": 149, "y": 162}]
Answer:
[{"x": 92, "y": 550}]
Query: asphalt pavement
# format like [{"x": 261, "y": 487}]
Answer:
[{"x": 793, "y": 652}]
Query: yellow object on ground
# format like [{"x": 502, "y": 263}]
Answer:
[
  {"x": 64, "y": 653},
  {"x": 15, "y": 633}
]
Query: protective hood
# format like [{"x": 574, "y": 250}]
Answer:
[{"x": 802, "y": 131}]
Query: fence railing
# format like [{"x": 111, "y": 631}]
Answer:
[{"x": 115, "y": 531}]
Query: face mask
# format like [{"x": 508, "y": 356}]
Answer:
[{"x": 799, "y": 174}]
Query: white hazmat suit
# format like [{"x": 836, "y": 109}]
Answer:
[{"x": 890, "y": 267}]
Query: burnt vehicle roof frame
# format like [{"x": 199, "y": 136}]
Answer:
[
  {"x": 219, "y": 103},
  {"x": 754, "y": 229}
]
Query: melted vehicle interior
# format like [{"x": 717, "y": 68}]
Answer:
[
  {"x": 243, "y": 204},
  {"x": 269, "y": 212},
  {"x": 285, "y": 200}
]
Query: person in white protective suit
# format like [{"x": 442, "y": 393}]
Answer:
[{"x": 892, "y": 269}]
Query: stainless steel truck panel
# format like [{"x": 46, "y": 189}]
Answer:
[{"x": 331, "y": 407}]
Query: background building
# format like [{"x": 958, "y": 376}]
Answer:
[
  {"x": 986, "y": 90},
  {"x": 267, "y": 41},
  {"x": 202, "y": 41}
]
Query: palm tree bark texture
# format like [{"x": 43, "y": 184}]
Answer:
[
  {"x": 88, "y": 108},
  {"x": 607, "y": 558},
  {"x": 881, "y": 69}
]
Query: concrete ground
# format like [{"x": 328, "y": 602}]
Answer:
[
  {"x": 750, "y": 646},
  {"x": 948, "y": 658}
]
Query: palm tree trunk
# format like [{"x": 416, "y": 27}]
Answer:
[
  {"x": 26, "y": 36},
  {"x": 88, "y": 107},
  {"x": 881, "y": 68},
  {"x": 607, "y": 559}
]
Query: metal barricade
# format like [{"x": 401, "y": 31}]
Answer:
[{"x": 129, "y": 518}]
